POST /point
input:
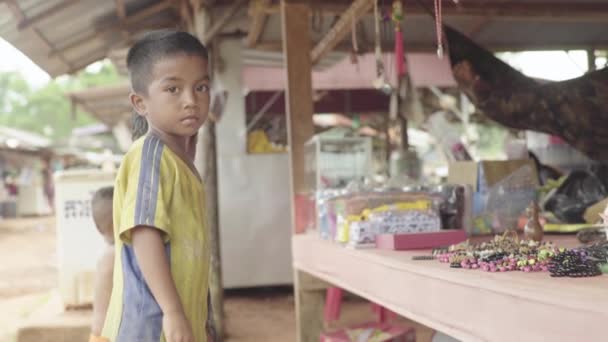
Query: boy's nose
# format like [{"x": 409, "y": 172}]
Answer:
[{"x": 189, "y": 97}]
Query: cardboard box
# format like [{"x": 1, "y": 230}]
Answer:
[
  {"x": 372, "y": 332},
  {"x": 501, "y": 190},
  {"x": 592, "y": 214},
  {"x": 482, "y": 175}
]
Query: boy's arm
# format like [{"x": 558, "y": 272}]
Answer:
[
  {"x": 103, "y": 290},
  {"x": 154, "y": 264}
]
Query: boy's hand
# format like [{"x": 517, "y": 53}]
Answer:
[{"x": 177, "y": 328}]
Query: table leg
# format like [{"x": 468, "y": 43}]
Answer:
[{"x": 309, "y": 293}]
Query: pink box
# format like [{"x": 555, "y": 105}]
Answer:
[
  {"x": 389, "y": 332},
  {"x": 420, "y": 240}
]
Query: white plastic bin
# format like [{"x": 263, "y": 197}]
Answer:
[{"x": 79, "y": 244}]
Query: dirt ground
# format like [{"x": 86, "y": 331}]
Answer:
[{"x": 28, "y": 277}]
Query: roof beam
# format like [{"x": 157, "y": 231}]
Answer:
[
  {"x": 223, "y": 21},
  {"x": 92, "y": 57},
  {"x": 430, "y": 47},
  {"x": 258, "y": 16},
  {"x": 148, "y": 12},
  {"x": 28, "y": 22},
  {"x": 102, "y": 30},
  {"x": 121, "y": 9},
  {"x": 545, "y": 11},
  {"x": 340, "y": 29},
  {"x": 185, "y": 12}
]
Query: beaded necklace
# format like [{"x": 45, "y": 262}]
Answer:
[{"x": 507, "y": 253}]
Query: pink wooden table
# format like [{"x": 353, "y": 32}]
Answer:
[{"x": 470, "y": 305}]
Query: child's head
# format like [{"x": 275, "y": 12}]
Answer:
[
  {"x": 101, "y": 205},
  {"x": 170, "y": 82}
]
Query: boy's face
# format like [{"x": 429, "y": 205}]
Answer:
[{"x": 177, "y": 102}]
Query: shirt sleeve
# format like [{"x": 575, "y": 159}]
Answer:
[{"x": 147, "y": 191}]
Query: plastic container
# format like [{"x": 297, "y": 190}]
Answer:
[{"x": 79, "y": 244}]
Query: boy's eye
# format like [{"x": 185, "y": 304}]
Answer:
[
  {"x": 202, "y": 88},
  {"x": 172, "y": 90}
]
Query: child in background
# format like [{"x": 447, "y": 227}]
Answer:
[{"x": 101, "y": 205}]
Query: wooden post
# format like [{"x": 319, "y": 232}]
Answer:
[
  {"x": 295, "y": 17},
  {"x": 207, "y": 142},
  {"x": 299, "y": 106},
  {"x": 309, "y": 293},
  {"x": 591, "y": 60}
]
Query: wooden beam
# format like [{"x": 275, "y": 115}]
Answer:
[
  {"x": 19, "y": 15},
  {"x": 185, "y": 13},
  {"x": 109, "y": 27},
  {"x": 531, "y": 10},
  {"x": 121, "y": 9},
  {"x": 275, "y": 45},
  {"x": 545, "y": 11},
  {"x": 481, "y": 24},
  {"x": 591, "y": 60},
  {"x": 207, "y": 136},
  {"x": 223, "y": 21},
  {"x": 258, "y": 21},
  {"x": 28, "y": 22},
  {"x": 126, "y": 24},
  {"x": 340, "y": 29},
  {"x": 309, "y": 293},
  {"x": 148, "y": 12},
  {"x": 196, "y": 5},
  {"x": 77, "y": 42},
  {"x": 92, "y": 57},
  {"x": 295, "y": 21}
]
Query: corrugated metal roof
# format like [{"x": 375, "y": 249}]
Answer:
[
  {"x": 108, "y": 104},
  {"x": 75, "y": 33}
]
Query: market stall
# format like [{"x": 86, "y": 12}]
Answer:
[
  {"x": 466, "y": 304},
  {"x": 534, "y": 302},
  {"x": 306, "y": 33}
]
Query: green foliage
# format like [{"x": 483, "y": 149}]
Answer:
[{"x": 47, "y": 110}]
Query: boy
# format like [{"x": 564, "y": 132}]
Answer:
[
  {"x": 101, "y": 205},
  {"x": 160, "y": 281}
]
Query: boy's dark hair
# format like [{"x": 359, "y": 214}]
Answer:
[
  {"x": 154, "y": 46},
  {"x": 146, "y": 52},
  {"x": 105, "y": 193},
  {"x": 139, "y": 126}
]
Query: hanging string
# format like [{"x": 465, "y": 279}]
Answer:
[
  {"x": 439, "y": 27},
  {"x": 354, "y": 35},
  {"x": 377, "y": 50},
  {"x": 397, "y": 17}
]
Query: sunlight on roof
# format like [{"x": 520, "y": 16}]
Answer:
[{"x": 548, "y": 65}]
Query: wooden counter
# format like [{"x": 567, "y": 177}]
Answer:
[{"x": 470, "y": 305}]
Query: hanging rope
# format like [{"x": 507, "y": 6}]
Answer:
[
  {"x": 439, "y": 28},
  {"x": 397, "y": 17},
  {"x": 377, "y": 50},
  {"x": 354, "y": 36}
]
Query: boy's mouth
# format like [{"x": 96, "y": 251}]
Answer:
[{"x": 190, "y": 119}]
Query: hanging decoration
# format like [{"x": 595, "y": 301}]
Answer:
[
  {"x": 355, "y": 50},
  {"x": 397, "y": 18},
  {"x": 381, "y": 83},
  {"x": 439, "y": 28},
  {"x": 377, "y": 38}
]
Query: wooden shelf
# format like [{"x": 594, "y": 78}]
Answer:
[{"x": 470, "y": 305}]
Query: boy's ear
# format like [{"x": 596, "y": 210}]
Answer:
[{"x": 138, "y": 103}]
